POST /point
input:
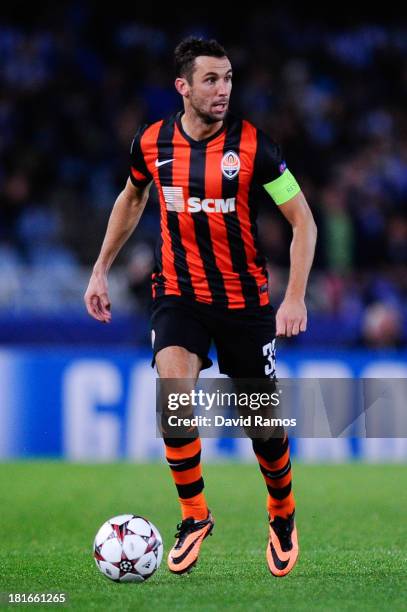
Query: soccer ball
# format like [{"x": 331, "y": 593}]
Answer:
[{"x": 128, "y": 548}]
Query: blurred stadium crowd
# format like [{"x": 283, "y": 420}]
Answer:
[{"x": 74, "y": 90}]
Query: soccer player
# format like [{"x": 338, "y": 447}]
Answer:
[{"x": 210, "y": 281}]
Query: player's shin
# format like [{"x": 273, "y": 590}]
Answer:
[
  {"x": 184, "y": 459},
  {"x": 273, "y": 456}
]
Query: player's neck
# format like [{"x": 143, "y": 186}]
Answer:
[{"x": 196, "y": 128}]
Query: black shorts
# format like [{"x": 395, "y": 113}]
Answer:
[{"x": 244, "y": 338}]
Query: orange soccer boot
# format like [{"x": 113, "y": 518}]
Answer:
[
  {"x": 282, "y": 547},
  {"x": 190, "y": 535}
]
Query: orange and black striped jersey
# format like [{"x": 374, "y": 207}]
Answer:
[{"x": 208, "y": 247}]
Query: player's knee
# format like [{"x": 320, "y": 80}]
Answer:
[{"x": 177, "y": 362}]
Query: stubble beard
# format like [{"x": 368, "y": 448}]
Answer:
[{"x": 206, "y": 117}]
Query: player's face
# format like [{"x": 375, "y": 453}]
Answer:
[{"x": 209, "y": 92}]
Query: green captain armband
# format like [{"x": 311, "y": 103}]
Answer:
[{"x": 283, "y": 188}]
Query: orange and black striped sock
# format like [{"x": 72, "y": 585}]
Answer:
[
  {"x": 273, "y": 456},
  {"x": 184, "y": 459}
]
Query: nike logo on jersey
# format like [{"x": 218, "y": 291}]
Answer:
[{"x": 161, "y": 163}]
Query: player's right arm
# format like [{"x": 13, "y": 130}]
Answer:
[{"x": 124, "y": 218}]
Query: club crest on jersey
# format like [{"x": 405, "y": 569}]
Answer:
[{"x": 230, "y": 164}]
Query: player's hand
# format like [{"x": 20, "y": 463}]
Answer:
[
  {"x": 97, "y": 298},
  {"x": 291, "y": 318}
]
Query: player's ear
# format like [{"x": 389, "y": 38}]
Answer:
[{"x": 182, "y": 86}]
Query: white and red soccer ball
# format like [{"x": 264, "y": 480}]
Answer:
[{"x": 128, "y": 548}]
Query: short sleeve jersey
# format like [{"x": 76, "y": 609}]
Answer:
[{"x": 208, "y": 248}]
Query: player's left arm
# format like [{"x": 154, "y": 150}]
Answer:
[
  {"x": 270, "y": 170},
  {"x": 291, "y": 317}
]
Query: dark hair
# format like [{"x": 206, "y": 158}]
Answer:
[{"x": 191, "y": 48}]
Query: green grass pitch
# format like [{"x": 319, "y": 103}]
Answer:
[{"x": 351, "y": 520}]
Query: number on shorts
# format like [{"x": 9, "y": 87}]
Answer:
[{"x": 269, "y": 351}]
